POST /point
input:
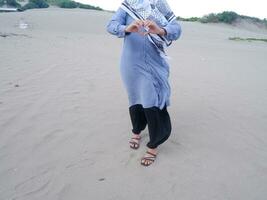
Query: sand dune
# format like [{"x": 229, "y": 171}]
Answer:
[{"x": 64, "y": 123}]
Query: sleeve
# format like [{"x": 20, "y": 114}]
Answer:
[
  {"x": 173, "y": 28},
  {"x": 117, "y": 24}
]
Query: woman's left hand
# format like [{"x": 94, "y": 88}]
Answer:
[{"x": 153, "y": 28}]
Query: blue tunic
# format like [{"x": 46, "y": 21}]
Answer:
[{"x": 144, "y": 72}]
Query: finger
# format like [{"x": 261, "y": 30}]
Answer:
[
  {"x": 135, "y": 25},
  {"x": 150, "y": 24},
  {"x": 146, "y": 22},
  {"x": 146, "y": 33},
  {"x": 134, "y": 28},
  {"x": 140, "y": 23},
  {"x": 137, "y": 21},
  {"x": 146, "y": 26}
]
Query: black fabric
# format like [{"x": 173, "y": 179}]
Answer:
[
  {"x": 138, "y": 118},
  {"x": 158, "y": 122}
]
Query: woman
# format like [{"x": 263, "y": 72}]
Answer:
[{"x": 147, "y": 26}]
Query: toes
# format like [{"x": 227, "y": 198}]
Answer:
[
  {"x": 148, "y": 162},
  {"x": 134, "y": 144}
]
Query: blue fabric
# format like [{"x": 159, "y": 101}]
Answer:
[{"x": 144, "y": 72}]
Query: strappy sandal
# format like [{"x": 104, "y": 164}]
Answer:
[
  {"x": 135, "y": 144},
  {"x": 150, "y": 158}
]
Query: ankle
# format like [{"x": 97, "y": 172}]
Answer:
[
  {"x": 152, "y": 150},
  {"x": 137, "y": 134}
]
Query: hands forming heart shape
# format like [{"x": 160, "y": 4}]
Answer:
[{"x": 145, "y": 27}]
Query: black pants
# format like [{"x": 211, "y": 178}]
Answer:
[{"x": 158, "y": 121}]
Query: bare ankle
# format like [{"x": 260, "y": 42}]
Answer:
[{"x": 152, "y": 150}]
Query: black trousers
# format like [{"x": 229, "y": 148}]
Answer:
[{"x": 158, "y": 122}]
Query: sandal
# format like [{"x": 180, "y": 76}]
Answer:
[
  {"x": 135, "y": 144},
  {"x": 150, "y": 158}
]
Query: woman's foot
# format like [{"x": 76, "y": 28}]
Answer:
[
  {"x": 149, "y": 157},
  {"x": 135, "y": 140}
]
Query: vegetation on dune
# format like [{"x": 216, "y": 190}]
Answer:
[
  {"x": 55, "y": 2},
  {"x": 35, "y": 4},
  {"x": 228, "y": 17},
  {"x": 32, "y": 4},
  {"x": 40, "y": 3},
  {"x": 86, "y": 6},
  {"x": 247, "y": 39},
  {"x": 11, "y": 3},
  {"x": 72, "y": 4},
  {"x": 191, "y": 19},
  {"x": 68, "y": 4}
]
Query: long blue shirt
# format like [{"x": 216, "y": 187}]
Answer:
[{"x": 144, "y": 72}]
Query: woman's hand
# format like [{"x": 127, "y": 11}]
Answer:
[
  {"x": 135, "y": 26},
  {"x": 145, "y": 27},
  {"x": 154, "y": 28}
]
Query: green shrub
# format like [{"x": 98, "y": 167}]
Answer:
[
  {"x": 247, "y": 39},
  {"x": 68, "y": 4},
  {"x": 12, "y": 3},
  {"x": 73, "y": 4},
  {"x": 210, "y": 18},
  {"x": 35, "y": 4},
  {"x": 85, "y": 6},
  {"x": 40, "y": 3},
  {"x": 55, "y": 2},
  {"x": 253, "y": 19},
  {"x": 191, "y": 19},
  {"x": 29, "y": 5},
  {"x": 227, "y": 17}
]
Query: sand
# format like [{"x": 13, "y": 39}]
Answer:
[{"x": 64, "y": 121}]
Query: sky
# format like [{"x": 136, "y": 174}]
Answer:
[{"x": 190, "y": 8}]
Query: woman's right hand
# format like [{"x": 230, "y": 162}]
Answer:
[{"x": 135, "y": 26}]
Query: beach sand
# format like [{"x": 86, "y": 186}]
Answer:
[{"x": 65, "y": 126}]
